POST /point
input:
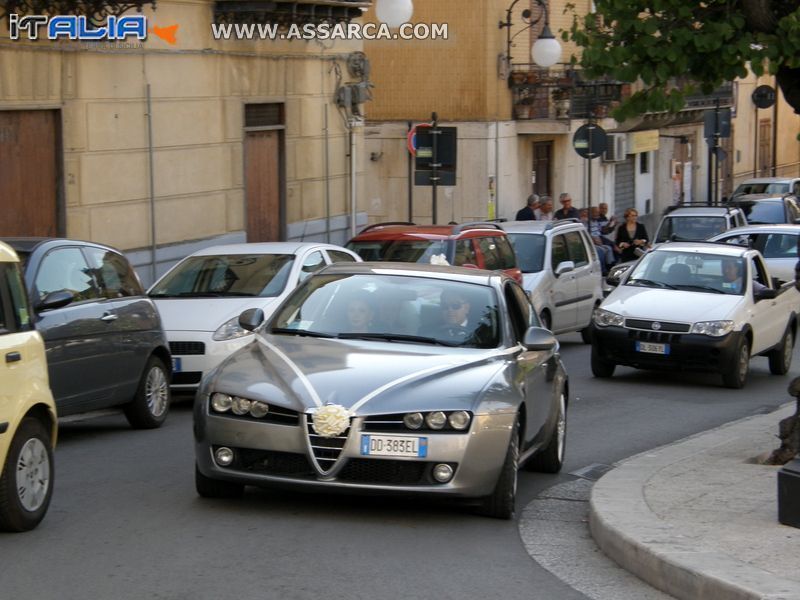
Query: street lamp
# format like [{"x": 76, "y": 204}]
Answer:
[
  {"x": 394, "y": 12},
  {"x": 546, "y": 50}
]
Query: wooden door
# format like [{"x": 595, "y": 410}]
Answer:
[
  {"x": 29, "y": 173},
  {"x": 542, "y": 156},
  {"x": 263, "y": 186},
  {"x": 765, "y": 147}
]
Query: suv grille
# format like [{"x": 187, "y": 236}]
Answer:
[
  {"x": 657, "y": 337},
  {"x": 664, "y": 327}
]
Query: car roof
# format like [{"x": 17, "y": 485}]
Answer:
[
  {"x": 704, "y": 247},
  {"x": 406, "y": 231},
  {"x": 265, "y": 248},
  {"x": 29, "y": 244},
  {"x": 761, "y": 228},
  {"x": 7, "y": 253},
  {"x": 462, "y": 274},
  {"x": 699, "y": 211},
  {"x": 769, "y": 180},
  {"x": 751, "y": 198},
  {"x": 539, "y": 226}
]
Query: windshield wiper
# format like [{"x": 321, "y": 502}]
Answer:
[
  {"x": 394, "y": 337},
  {"x": 301, "y": 332},
  {"x": 651, "y": 283},
  {"x": 703, "y": 288},
  {"x": 212, "y": 295}
]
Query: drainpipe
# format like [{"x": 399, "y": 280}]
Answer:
[
  {"x": 327, "y": 183},
  {"x": 152, "y": 184},
  {"x": 352, "y": 180}
]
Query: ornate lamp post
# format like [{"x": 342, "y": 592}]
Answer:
[{"x": 546, "y": 51}]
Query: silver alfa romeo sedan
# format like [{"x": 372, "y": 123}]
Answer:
[{"x": 388, "y": 377}]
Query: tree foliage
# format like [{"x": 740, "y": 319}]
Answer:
[{"x": 681, "y": 47}]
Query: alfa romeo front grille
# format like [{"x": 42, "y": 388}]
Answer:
[{"x": 326, "y": 449}]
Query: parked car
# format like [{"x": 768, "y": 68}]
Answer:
[
  {"x": 776, "y": 243},
  {"x": 104, "y": 340},
  {"x": 769, "y": 185},
  {"x": 560, "y": 272},
  {"x": 480, "y": 245},
  {"x": 766, "y": 209},
  {"x": 201, "y": 297},
  {"x": 317, "y": 401},
  {"x": 697, "y": 306},
  {"x": 28, "y": 424}
]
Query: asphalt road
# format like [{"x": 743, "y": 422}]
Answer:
[{"x": 126, "y": 522}]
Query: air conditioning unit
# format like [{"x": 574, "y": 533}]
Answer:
[{"x": 617, "y": 149}]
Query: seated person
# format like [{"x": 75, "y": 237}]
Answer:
[
  {"x": 732, "y": 272},
  {"x": 455, "y": 313},
  {"x": 360, "y": 315}
]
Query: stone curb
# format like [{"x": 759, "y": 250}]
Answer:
[{"x": 627, "y": 530}]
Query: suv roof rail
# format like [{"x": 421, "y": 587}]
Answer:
[
  {"x": 476, "y": 225},
  {"x": 384, "y": 224},
  {"x": 669, "y": 209},
  {"x": 557, "y": 222}
]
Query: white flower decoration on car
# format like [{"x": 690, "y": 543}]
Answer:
[
  {"x": 330, "y": 420},
  {"x": 439, "y": 259}
]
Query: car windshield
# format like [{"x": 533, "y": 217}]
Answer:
[
  {"x": 529, "y": 249},
  {"x": 762, "y": 188},
  {"x": 689, "y": 271},
  {"x": 403, "y": 309},
  {"x": 414, "y": 251},
  {"x": 689, "y": 228},
  {"x": 261, "y": 275},
  {"x": 763, "y": 212}
]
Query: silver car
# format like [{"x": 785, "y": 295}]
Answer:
[
  {"x": 778, "y": 244},
  {"x": 388, "y": 377}
]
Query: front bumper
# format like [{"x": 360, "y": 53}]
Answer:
[
  {"x": 687, "y": 351},
  {"x": 195, "y": 353},
  {"x": 278, "y": 454}
]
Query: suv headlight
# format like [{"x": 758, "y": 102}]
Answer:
[
  {"x": 604, "y": 318},
  {"x": 230, "y": 330},
  {"x": 712, "y": 328}
]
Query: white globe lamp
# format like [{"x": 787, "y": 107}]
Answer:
[
  {"x": 394, "y": 12},
  {"x": 546, "y": 50}
]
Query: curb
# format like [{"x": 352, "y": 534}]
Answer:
[{"x": 628, "y": 531}]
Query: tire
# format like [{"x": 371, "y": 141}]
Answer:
[
  {"x": 150, "y": 406},
  {"x": 735, "y": 374},
  {"x": 601, "y": 367},
  {"x": 216, "y": 488},
  {"x": 26, "y": 485},
  {"x": 586, "y": 334},
  {"x": 547, "y": 322},
  {"x": 550, "y": 459},
  {"x": 502, "y": 502},
  {"x": 780, "y": 359}
]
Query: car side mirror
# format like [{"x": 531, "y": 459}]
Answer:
[
  {"x": 55, "y": 300},
  {"x": 612, "y": 280},
  {"x": 564, "y": 267},
  {"x": 765, "y": 294},
  {"x": 251, "y": 319},
  {"x": 539, "y": 338}
]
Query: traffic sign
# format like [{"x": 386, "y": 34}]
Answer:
[
  {"x": 411, "y": 138},
  {"x": 764, "y": 96},
  {"x": 590, "y": 141}
]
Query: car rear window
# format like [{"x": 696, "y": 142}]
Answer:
[
  {"x": 764, "y": 212},
  {"x": 411, "y": 251},
  {"x": 690, "y": 228},
  {"x": 762, "y": 188},
  {"x": 529, "y": 249}
]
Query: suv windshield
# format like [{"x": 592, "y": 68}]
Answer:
[
  {"x": 763, "y": 212},
  {"x": 689, "y": 228},
  {"x": 529, "y": 249},
  {"x": 689, "y": 271},
  {"x": 762, "y": 188},
  {"x": 413, "y": 251},
  {"x": 226, "y": 275}
]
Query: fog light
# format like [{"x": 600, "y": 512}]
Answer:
[
  {"x": 436, "y": 420},
  {"x": 240, "y": 406},
  {"x": 443, "y": 473},
  {"x": 259, "y": 409},
  {"x": 459, "y": 420},
  {"x": 413, "y": 420},
  {"x": 221, "y": 402},
  {"x": 224, "y": 456}
]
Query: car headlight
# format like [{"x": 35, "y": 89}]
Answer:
[
  {"x": 712, "y": 328},
  {"x": 436, "y": 420},
  {"x": 605, "y": 318},
  {"x": 241, "y": 406},
  {"x": 413, "y": 420},
  {"x": 259, "y": 409},
  {"x": 459, "y": 420},
  {"x": 221, "y": 402},
  {"x": 230, "y": 330}
]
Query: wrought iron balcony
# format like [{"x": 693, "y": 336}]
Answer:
[
  {"x": 561, "y": 93},
  {"x": 289, "y": 12}
]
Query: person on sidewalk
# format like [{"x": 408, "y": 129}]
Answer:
[
  {"x": 609, "y": 224},
  {"x": 528, "y": 212},
  {"x": 545, "y": 210},
  {"x": 604, "y": 246},
  {"x": 567, "y": 211},
  {"x": 630, "y": 236}
]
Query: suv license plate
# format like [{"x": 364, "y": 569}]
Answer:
[
  {"x": 649, "y": 348},
  {"x": 394, "y": 445},
  {"x": 176, "y": 364}
]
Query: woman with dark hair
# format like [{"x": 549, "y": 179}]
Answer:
[{"x": 630, "y": 236}]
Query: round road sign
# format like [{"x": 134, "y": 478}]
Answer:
[{"x": 590, "y": 141}]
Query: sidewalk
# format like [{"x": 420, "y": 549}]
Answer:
[{"x": 699, "y": 518}]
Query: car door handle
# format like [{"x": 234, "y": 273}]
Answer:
[
  {"x": 108, "y": 317},
  {"x": 13, "y": 357}
]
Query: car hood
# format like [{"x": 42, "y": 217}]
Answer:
[
  {"x": 366, "y": 377},
  {"x": 670, "y": 305},
  {"x": 206, "y": 314}
]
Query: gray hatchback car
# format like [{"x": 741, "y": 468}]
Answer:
[
  {"x": 103, "y": 336},
  {"x": 388, "y": 378}
]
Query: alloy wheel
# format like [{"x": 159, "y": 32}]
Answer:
[
  {"x": 33, "y": 475},
  {"x": 156, "y": 391}
]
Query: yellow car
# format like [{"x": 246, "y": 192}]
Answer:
[{"x": 28, "y": 423}]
